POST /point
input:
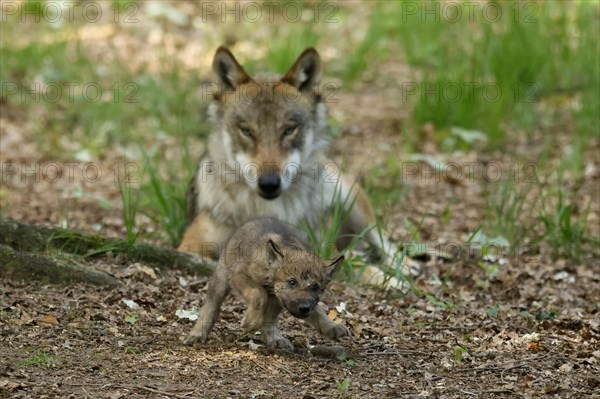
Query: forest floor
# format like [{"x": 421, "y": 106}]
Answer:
[{"x": 525, "y": 325}]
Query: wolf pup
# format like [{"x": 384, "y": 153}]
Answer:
[
  {"x": 271, "y": 268},
  {"x": 266, "y": 157}
]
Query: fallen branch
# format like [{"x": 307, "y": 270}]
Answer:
[
  {"x": 56, "y": 255},
  {"x": 17, "y": 265}
]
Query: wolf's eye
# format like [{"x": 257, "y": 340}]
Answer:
[
  {"x": 293, "y": 283},
  {"x": 245, "y": 132},
  {"x": 315, "y": 287},
  {"x": 288, "y": 131}
]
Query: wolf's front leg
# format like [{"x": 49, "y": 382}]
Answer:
[
  {"x": 361, "y": 220},
  {"x": 205, "y": 237},
  {"x": 255, "y": 297},
  {"x": 271, "y": 335},
  {"x": 319, "y": 320},
  {"x": 218, "y": 288},
  {"x": 204, "y": 324}
]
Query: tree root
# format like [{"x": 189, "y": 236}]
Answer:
[{"x": 57, "y": 256}]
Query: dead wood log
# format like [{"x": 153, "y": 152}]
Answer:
[
  {"x": 29, "y": 247},
  {"x": 16, "y": 265}
]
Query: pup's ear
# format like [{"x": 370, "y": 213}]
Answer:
[
  {"x": 333, "y": 267},
  {"x": 230, "y": 73},
  {"x": 273, "y": 252},
  {"x": 305, "y": 74}
]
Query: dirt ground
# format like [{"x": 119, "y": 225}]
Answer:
[
  {"x": 531, "y": 329},
  {"x": 81, "y": 341}
]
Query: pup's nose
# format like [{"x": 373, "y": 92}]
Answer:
[
  {"x": 269, "y": 185},
  {"x": 304, "y": 309}
]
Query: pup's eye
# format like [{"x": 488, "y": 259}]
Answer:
[
  {"x": 315, "y": 287},
  {"x": 245, "y": 131},
  {"x": 288, "y": 131},
  {"x": 293, "y": 283}
]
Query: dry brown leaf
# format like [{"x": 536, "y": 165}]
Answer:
[
  {"x": 49, "y": 319},
  {"x": 9, "y": 385},
  {"x": 535, "y": 346},
  {"x": 24, "y": 319},
  {"x": 551, "y": 388},
  {"x": 332, "y": 314},
  {"x": 358, "y": 329}
]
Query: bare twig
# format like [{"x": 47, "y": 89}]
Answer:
[
  {"x": 521, "y": 363},
  {"x": 395, "y": 352},
  {"x": 480, "y": 393}
]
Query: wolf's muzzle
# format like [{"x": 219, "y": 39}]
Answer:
[
  {"x": 304, "y": 309},
  {"x": 269, "y": 185},
  {"x": 301, "y": 309}
]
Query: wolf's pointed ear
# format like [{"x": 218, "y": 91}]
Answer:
[
  {"x": 229, "y": 72},
  {"x": 273, "y": 252},
  {"x": 333, "y": 267},
  {"x": 305, "y": 74}
]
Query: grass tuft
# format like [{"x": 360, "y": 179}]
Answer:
[
  {"x": 165, "y": 194},
  {"x": 564, "y": 228}
]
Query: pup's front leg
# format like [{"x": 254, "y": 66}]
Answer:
[
  {"x": 262, "y": 313},
  {"x": 319, "y": 320},
  {"x": 199, "y": 333},
  {"x": 255, "y": 297},
  {"x": 218, "y": 288},
  {"x": 271, "y": 335}
]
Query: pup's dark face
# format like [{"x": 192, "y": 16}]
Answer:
[
  {"x": 300, "y": 279},
  {"x": 299, "y": 293}
]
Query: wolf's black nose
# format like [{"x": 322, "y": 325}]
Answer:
[
  {"x": 304, "y": 309},
  {"x": 269, "y": 185}
]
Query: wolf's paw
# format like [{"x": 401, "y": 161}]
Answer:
[
  {"x": 335, "y": 331},
  {"x": 194, "y": 338},
  {"x": 376, "y": 277},
  {"x": 281, "y": 343}
]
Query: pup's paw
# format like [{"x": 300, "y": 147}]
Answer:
[
  {"x": 335, "y": 331},
  {"x": 194, "y": 338},
  {"x": 281, "y": 343}
]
